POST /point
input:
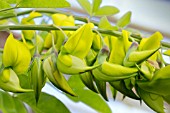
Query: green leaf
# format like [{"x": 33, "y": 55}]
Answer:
[
  {"x": 96, "y": 5},
  {"x": 105, "y": 24},
  {"x": 43, "y": 4},
  {"x": 85, "y": 4},
  {"x": 114, "y": 92},
  {"x": 159, "y": 83},
  {"x": 87, "y": 96},
  {"x": 167, "y": 99},
  {"x": 159, "y": 86},
  {"x": 9, "y": 104},
  {"x": 154, "y": 101},
  {"x": 13, "y": 1},
  {"x": 101, "y": 86},
  {"x": 4, "y": 4},
  {"x": 46, "y": 104},
  {"x": 87, "y": 79},
  {"x": 106, "y": 10},
  {"x": 124, "y": 20},
  {"x": 121, "y": 87}
]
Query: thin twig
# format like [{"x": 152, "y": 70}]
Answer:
[{"x": 6, "y": 9}]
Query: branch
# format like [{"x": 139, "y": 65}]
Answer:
[
  {"x": 50, "y": 11},
  {"x": 51, "y": 27},
  {"x": 7, "y": 9}
]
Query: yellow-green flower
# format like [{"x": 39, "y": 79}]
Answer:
[{"x": 16, "y": 55}]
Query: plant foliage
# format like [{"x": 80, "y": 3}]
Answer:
[{"x": 94, "y": 54}]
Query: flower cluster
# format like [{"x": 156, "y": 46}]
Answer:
[{"x": 136, "y": 69}]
